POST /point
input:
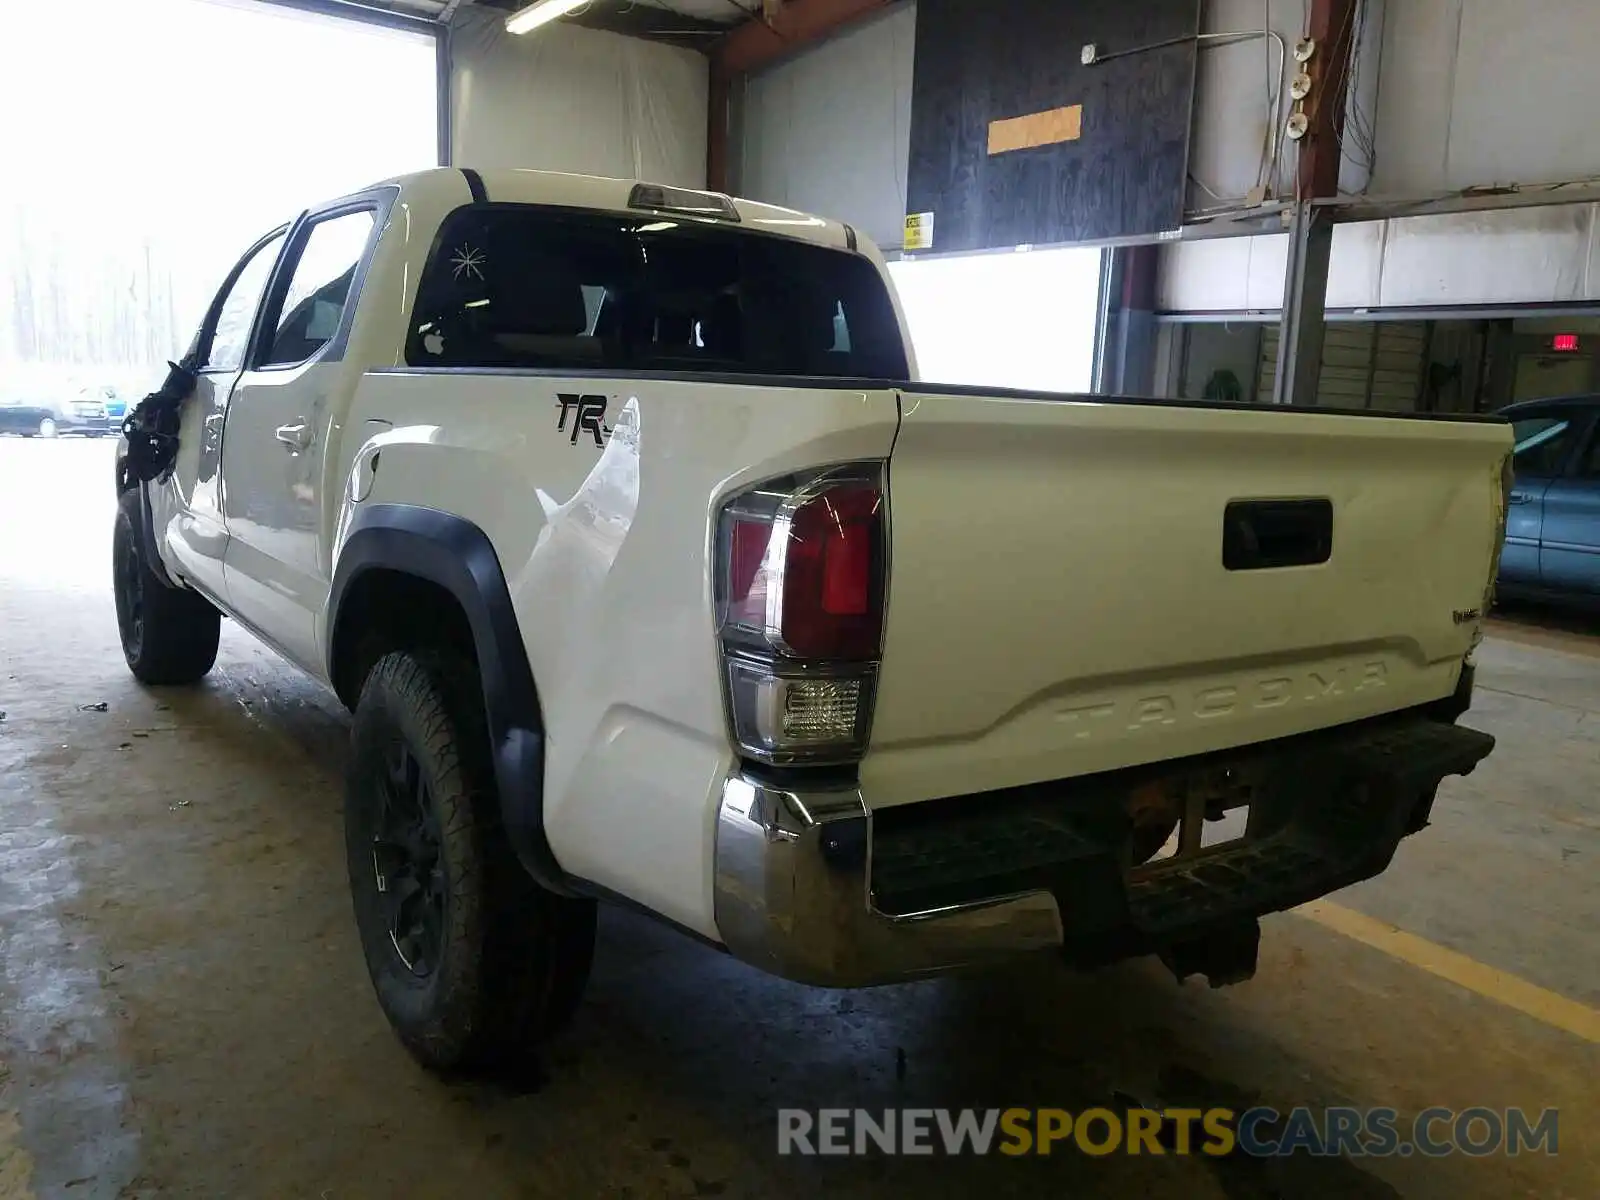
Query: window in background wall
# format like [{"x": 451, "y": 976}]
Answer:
[{"x": 1021, "y": 320}]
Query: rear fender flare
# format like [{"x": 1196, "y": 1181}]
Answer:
[{"x": 456, "y": 555}]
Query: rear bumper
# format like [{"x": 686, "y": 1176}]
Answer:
[{"x": 814, "y": 887}]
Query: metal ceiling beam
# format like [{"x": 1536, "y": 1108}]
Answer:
[
  {"x": 795, "y": 25},
  {"x": 358, "y": 10},
  {"x": 1346, "y": 209}
]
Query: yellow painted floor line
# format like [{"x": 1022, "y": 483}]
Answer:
[{"x": 1534, "y": 1001}]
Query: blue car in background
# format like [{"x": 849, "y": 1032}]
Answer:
[{"x": 1552, "y": 549}]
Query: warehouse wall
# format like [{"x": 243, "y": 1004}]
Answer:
[
  {"x": 1240, "y": 101},
  {"x": 1482, "y": 91},
  {"x": 1531, "y": 256},
  {"x": 829, "y": 130},
  {"x": 575, "y": 99},
  {"x": 1444, "y": 86}
]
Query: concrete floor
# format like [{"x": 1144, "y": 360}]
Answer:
[{"x": 183, "y": 1010}]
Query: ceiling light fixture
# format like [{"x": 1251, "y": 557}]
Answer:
[{"x": 526, "y": 20}]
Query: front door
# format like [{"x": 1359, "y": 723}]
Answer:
[
  {"x": 278, "y": 425},
  {"x": 1569, "y": 544},
  {"x": 1544, "y": 444},
  {"x": 196, "y": 532}
]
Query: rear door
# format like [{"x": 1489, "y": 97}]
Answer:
[
  {"x": 1544, "y": 442},
  {"x": 1569, "y": 542},
  {"x": 278, "y": 424}
]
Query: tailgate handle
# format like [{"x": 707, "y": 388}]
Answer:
[{"x": 1260, "y": 534}]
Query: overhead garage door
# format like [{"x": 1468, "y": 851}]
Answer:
[
  {"x": 1373, "y": 365},
  {"x": 156, "y": 150}
]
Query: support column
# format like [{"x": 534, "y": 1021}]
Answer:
[
  {"x": 1305, "y": 293},
  {"x": 1305, "y": 288}
]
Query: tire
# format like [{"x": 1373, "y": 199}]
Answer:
[
  {"x": 169, "y": 635},
  {"x": 473, "y": 963},
  {"x": 48, "y": 428}
]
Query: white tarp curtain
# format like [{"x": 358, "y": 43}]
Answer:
[
  {"x": 1018, "y": 320},
  {"x": 566, "y": 98},
  {"x": 148, "y": 144}
]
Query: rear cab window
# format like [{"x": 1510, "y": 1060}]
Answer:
[{"x": 522, "y": 286}]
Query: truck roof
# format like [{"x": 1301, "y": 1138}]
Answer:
[{"x": 595, "y": 192}]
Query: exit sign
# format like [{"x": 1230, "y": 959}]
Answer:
[{"x": 1564, "y": 343}]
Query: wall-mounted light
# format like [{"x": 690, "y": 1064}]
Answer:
[{"x": 526, "y": 20}]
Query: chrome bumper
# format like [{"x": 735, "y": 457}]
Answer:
[
  {"x": 810, "y": 886},
  {"x": 794, "y": 898}
]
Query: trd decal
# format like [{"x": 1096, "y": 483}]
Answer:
[{"x": 588, "y": 415}]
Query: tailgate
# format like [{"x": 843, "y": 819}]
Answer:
[{"x": 1059, "y": 600}]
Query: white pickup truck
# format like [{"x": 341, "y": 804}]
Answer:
[{"x": 651, "y": 574}]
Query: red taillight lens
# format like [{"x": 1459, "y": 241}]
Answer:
[
  {"x": 832, "y": 595},
  {"x": 800, "y": 581}
]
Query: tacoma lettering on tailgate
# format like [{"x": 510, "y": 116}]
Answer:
[{"x": 1089, "y": 718}]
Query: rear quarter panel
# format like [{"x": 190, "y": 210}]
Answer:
[{"x": 605, "y": 552}]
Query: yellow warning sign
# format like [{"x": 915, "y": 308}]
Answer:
[{"x": 919, "y": 231}]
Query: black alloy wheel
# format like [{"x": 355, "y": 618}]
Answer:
[
  {"x": 407, "y": 866},
  {"x": 130, "y": 598}
]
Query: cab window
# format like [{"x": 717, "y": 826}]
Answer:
[{"x": 318, "y": 292}]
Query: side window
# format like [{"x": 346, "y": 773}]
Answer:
[
  {"x": 232, "y": 331},
  {"x": 1542, "y": 444},
  {"x": 319, "y": 286},
  {"x": 1589, "y": 467}
]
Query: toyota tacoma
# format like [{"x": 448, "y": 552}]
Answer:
[{"x": 618, "y": 517}]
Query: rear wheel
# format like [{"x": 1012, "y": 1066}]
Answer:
[
  {"x": 47, "y": 427},
  {"x": 169, "y": 635},
  {"x": 472, "y": 961}
]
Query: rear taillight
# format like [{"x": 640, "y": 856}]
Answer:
[{"x": 800, "y": 578}]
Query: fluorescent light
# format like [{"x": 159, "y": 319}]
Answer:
[
  {"x": 658, "y": 227},
  {"x": 526, "y": 20}
]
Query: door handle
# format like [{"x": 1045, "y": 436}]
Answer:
[
  {"x": 296, "y": 436},
  {"x": 1521, "y": 498}
]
